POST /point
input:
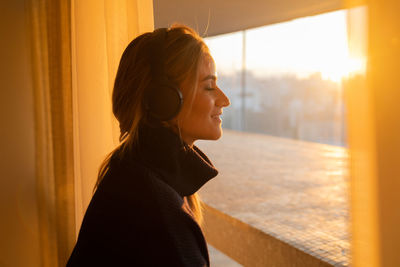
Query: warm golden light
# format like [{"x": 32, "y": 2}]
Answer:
[
  {"x": 317, "y": 44},
  {"x": 355, "y": 66}
]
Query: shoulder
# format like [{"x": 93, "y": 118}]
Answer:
[
  {"x": 133, "y": 212},
  {"x": 134, "y": 190},
  {"x": 134, "y": 180}
]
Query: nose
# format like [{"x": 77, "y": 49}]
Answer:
[{"x": 222, "y": 99}]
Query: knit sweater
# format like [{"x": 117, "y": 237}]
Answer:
[{"x": 138, "y": 215}]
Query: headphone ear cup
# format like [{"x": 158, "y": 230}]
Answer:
[
  {"x": 164, "y": 99},
  {"x": 165, "y": 102}
]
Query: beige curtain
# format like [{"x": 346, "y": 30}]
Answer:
[
  {"x": 374, "y": 137},
  {"x": 76, "y": 46},
  {"x": 51, "y": 71}
]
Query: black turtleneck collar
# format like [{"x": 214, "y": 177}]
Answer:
[{"x": 184, "y": 168}]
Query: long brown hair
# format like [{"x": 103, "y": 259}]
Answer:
[{"x": 184, "y": 50}]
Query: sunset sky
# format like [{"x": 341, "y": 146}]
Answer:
[{"x": 302, "y": 47}]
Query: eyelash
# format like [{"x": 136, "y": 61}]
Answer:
[{"x": 210, "y": 88}]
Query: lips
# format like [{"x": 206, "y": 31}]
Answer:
[
  {"x": 219, "y": 113},
  {"x": 217, "y": 117}
]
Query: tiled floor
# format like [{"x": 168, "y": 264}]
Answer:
[{"x": 296, "y": 191}]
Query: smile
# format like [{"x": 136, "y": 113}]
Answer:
[{"x": 217, "y": 118}]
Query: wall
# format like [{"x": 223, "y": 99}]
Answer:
[{"x": 19, "y": 243}]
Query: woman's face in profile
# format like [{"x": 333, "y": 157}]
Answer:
[{"x": 203, "y": 120}]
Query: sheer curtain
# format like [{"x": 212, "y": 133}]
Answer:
[{"x": 75, "y": 50}]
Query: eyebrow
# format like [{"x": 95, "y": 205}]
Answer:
[{"x": 210, "y": 77}]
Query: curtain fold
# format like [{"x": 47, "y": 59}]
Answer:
[
  {"x": 51, "y": 67},
  {"x": 75, "y": 51}
]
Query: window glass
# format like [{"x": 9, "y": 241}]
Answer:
[{"x": 286, "y": 79}]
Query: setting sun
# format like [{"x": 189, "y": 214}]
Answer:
[{"x": 317, "y": 44}]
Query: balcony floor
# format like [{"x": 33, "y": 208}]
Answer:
[{"x": 292, "y": 190}]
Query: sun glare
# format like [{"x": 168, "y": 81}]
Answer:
[
  {"x": 303, "y": 47},
  {"x": 355, "y": 66}
]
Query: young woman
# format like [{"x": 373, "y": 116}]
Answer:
[{"x": 145, "y": 210}]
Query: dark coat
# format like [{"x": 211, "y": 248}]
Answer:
[{"x": 139, "y": 215}]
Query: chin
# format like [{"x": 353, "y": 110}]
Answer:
[
  {"x": 215, "y": 135},
  {"x": 210, "y": 134}
]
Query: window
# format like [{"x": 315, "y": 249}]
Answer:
[{"x": 286, "y": 79}]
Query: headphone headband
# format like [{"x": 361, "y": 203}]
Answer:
[{"x": 157, "y": 50}]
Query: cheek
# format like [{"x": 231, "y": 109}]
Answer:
[
  {"x": 201, "y": 108},
  {"x": 198, "y": 115},
  {"x": 198, "y": 124}
]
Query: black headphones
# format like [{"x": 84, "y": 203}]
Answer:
[{"x": 163, "y": 99}]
